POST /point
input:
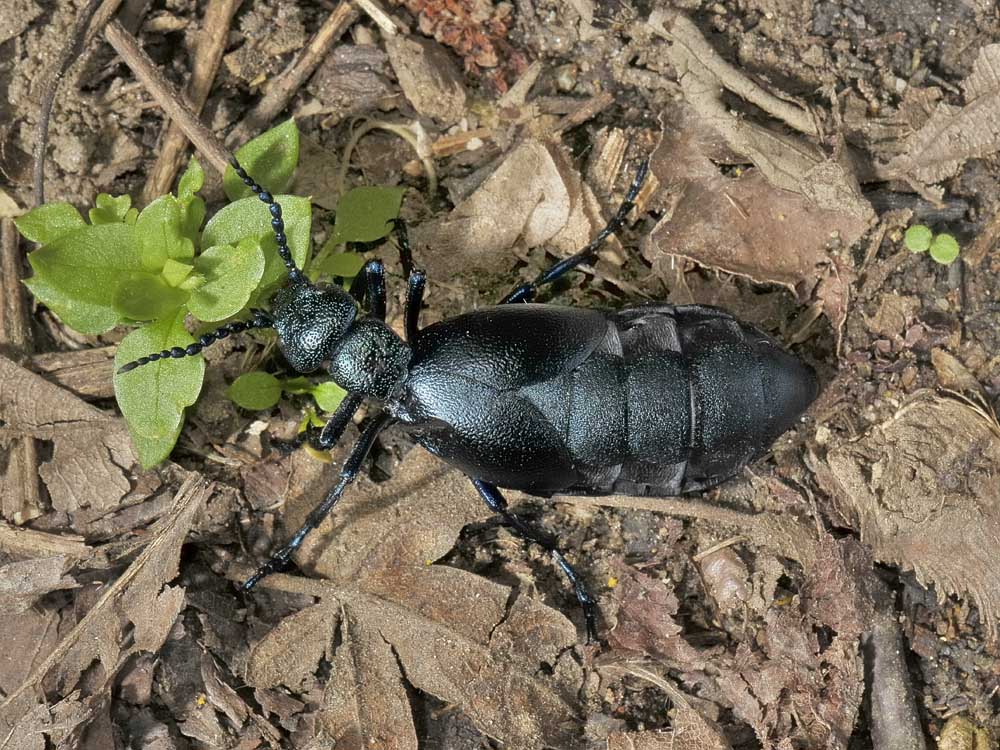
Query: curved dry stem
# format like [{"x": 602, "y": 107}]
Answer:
[{"x": 407, "y": 133}]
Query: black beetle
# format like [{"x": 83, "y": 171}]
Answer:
[{"x": 652, "y": 400}]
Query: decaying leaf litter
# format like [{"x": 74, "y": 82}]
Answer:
[{"x": 790, "y": 142}]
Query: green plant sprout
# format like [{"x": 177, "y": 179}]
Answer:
[
  {"x": 257, "y": 390},
  {"x": 943, "y": 247},
  {"x": 164, "y": 269}
]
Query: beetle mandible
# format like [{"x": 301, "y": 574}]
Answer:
[{"x": 652, "y": 400}]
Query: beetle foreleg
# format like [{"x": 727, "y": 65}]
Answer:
[
  {"x": 498, "y": 504},
  {"x": 370, "y": 285},
  {"x": 526, "y": 292},
  {"x": 282, "y": 558},
  {"x": 414, "y": 299}
]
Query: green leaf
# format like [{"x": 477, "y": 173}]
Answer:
[
  {"x": 78, "y": 275},
  {"x": 148, "y": 296},
  {"x": 231, "y": 276},
  {"x": 191, "y": 181},
  {"x": 270, "y": 159},
  {"x": 328, "y": 395},
  {"x": 944, "y": 249},
  {"x": 347, "y": 265},
  {"x": 364, "y": 214},
  {"x": 174, "y": 272},
  {"x": 250, "y": 218},
  {"x": 917, "y": 238},
  {"x": 49, "y": 222},
  {"x": 110, "y": 209},
  {"x": 153, "y": 397},
  {"x": 297, "y": 385},
  {"x": 158, "y": 230},
  {"x": 255, "y": 391}
]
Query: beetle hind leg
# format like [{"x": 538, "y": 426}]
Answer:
[{"x": 498, "y": 504}]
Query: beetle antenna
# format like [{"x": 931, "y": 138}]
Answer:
[
  {"x": 526, "y": 292},
  {"x": 294, "y": 274},
  {"x": 260, "y": 319}
]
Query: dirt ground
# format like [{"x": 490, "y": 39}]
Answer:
[{"x": 839, "y": 593}]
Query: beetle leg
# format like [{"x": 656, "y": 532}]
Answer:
[
  {"x": 414, "y": 298},
  {"x": 403, "y": 241},
  {"x": 324, "y": 439},
  {"x": 498, "y": 504},
  {"x": 526, "y": 292},
  {"x": 369, "y": 285},
  {"x": 282, "y": 558}
]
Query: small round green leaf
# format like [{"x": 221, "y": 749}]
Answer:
[
  {"x": 231, "y": 276},
  {"x": 365, "y": 214},
  {"x": 270, "y": 159},
  {"x": 328, "y": 395},
  {"x": 110, "y": 209},
  {"x": 255, "y": 391},
  {"x": 49, "y": 222},
  {"x": 944, "y": 249},
  {"x": 917, "y": 238},
  {"x": 153, "y": 397}
]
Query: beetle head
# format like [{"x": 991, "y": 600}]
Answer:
[{"x": 310, "y": 321}]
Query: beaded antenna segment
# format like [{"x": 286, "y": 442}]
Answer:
[{"x": 294, "y": 274}]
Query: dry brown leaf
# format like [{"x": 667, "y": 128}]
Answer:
[
  {"x": 922, "y": 490},
  {"x": 646, "y": 624},
  {"x": 535, "y": 197},
  {"x": 954, "y": 375},
  {"x": 23, "y": 583},
  {"x": 954, "y": 134},
  {"x": 428, "y": 78},
  {"x": 454, "y": 634},
  {"x": 690, "y": 732},
  {"x": 134, "y": 615},
  {"x": 90, "y": 448},
  {"x": 773, "y": 223},
  {"x": 354, "y": 717},
  {"x": 290, "y": 652}
]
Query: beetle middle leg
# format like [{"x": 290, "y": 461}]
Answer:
[
  {"x": 498, "y": 504},
  {"x": 526, "y": 292},
  {"x": 348, "y": 473}
]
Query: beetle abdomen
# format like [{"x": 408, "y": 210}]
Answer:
[
  {"x": 656, "y": 400},
  {"x": 706, "y": 395}
]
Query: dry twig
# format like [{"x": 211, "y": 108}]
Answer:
[
  {"x": 281, "y": 90},
  {"x": 166, "y": 95},
  {"x": 211, "y": 44}
]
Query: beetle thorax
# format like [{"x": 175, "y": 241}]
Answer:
[
  {"x": 370, "y": 359},
  {"x": 310, "y": 320}
]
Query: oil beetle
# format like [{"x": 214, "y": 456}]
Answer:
[{"x": 652, "y": 400}]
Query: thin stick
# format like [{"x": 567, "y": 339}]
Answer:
[
  {"x": 23, "y": 499},
  {"x": 211, "y": 44},
  {"x": 166, "y": 96},
  {"x": 283, "y": 88}
]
